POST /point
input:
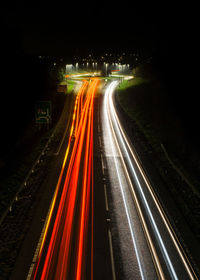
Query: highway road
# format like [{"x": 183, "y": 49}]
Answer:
[
  {"x": 150, "y": 248},
  {"x": 66, "y": 244},
  {"x": 104, "y": 220}
]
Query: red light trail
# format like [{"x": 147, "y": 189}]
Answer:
[{"x": 68, "y": 234}]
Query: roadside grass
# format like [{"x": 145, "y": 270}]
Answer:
[
  {"x": 130, "y": 95},
  {"x": 125, "y": 84},
  {"x": 70, "y": 85},
  {"x": 145, "y": 102}
]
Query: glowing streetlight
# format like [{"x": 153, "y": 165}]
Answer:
[
  {"x": 68, "y": 68},
  {"x": 106, "y": 68}
]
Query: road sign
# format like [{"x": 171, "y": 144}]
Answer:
[{"x": 43, "y": 112}]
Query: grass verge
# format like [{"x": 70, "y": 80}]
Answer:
[{"x": 145, "y": 102}]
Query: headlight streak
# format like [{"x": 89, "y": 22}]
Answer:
[
  {"x": 122, "y": 137},
  {"x": 173, "y": 274},
  {"x": 110, "y": 88},
  {"x": 159, "y": 238},
  {"x": 177, "y": 244},
  {"x": 144, "y": 225},
  {"x": 83, "y": 126}
]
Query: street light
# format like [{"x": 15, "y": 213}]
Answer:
[
  {"x": 106, "y": 68},
  {"x": 68, "y": 68}
]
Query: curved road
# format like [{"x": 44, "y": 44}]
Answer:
[
  {"x": 104, "y": 221},
  {"x": 150, "y": 248}
]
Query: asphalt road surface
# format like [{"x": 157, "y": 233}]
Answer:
[
  {"x": 150, "y": 248},
  {"x": 104, "y": 220}
]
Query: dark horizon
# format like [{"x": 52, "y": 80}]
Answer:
[
  {"x": 164, "y": 33},
  {"x": 86, "y": 29}
]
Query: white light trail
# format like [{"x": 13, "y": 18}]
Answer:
[
  {"x": 121, "y": 136},
  {"x": 170, "y": 230},
  {"x": 109, "y": 90},
  {"x": 159, "y": 238}
]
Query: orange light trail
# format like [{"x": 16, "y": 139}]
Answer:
[
  {"x": 82, "y": 89},
  {"x": 85, "y": 192},
  {"x": 58, "y": 252},
  {"x": 61, "y": 272}
]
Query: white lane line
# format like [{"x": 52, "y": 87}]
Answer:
[
  {"x": 165, "y": 219},
  {"x": 151, "y": 217},
  {"x": 117, "y": 167},
  {"x": 111, "y": 255},
  {"x": 106, "y": 197},
  {"x": 102, "y": 164},
  {"x": 37, "y": 250},
  {"x": 146, "y": 232}
]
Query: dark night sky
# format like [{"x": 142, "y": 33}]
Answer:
[
  {"x": 165, "y": 30},
  {"x": 90, "y": 27},
  {"x": 168, "y": 32},
  {"x": 59, "y": 28}
]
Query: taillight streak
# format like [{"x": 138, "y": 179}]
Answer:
[
  {"x": 82, "y": 128},
  {"x": 85, "y": 203}
]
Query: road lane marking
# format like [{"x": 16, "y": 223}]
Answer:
[
  {"x": 164, "y": 250},
  {"x": 106, "y": 197},
  {"x": 117, "y": 168},
  {"x": 102, "y": 164},
  {"x": 111, "y": 255},
  {"x": 37, "y": 250}
]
